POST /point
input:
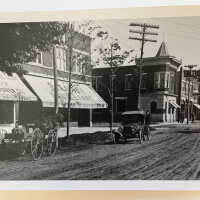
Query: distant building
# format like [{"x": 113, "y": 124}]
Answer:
[
  {"x": 158, "y": 94},
  {"x": 184, "y": 91}
]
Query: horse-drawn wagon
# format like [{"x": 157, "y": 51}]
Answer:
[{"x": 35, "y": 139}]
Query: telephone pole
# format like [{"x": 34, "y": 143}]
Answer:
[
  {"x": 189, "y": 82},
  {"x": 55, "y": 73},
  {"x": 143, "y": 32}
]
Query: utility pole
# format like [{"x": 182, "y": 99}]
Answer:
[
  {"x": 70, "y": 47},
  {"x": 180, "y": 92},
  {"x": 143, "y": 32},
  {"x": 55, "y": 81},
  {"x": 112, "y": 92},
  {"x": 188, "y": 98}
]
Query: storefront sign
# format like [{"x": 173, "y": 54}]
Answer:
[{"x": 192, "y": 73}]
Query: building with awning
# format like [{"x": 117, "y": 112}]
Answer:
[
  {"x": 13, "y": 92},
  {"x": 49, "y": 67},
  {"x": 13, "y": 89},
  {"x": 83, "y": 96}
]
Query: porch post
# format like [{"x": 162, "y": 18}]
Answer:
[
  {"x": 14, "y": 113},
  {"x": 90, "y": 110}
]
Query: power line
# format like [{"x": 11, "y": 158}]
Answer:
[{"x": 143, "y": 33}]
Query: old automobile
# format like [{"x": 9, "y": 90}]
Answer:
[{"x": 132, "y": 126}]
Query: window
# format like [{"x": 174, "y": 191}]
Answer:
[
  {"x": 113, "y": 78},
  {"x": 160, "y": 80},
  {"x": 60, "y": 59},
  {"x": 94, "y": 83},
  {"x": 167, "y": 79},
  {"x": 153, "y": 107},
  {"x": 38, "y": 59},
  {"x": 183, "y": 89},
  {"x": 164, "y": 80},
  {"x": 128, "y": 82},
  {"x": 144, "y": 81},
  {"x": 99, "y": 83},
  {"x": 79, "y": 63},
  {"x": 172, "y": 82},
  {"x": 121, "y": 103}
]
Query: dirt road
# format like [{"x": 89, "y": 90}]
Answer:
[{"x": 173, "y": 153}]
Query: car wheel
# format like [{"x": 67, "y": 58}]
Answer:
[{"x": 124, "y": 140}]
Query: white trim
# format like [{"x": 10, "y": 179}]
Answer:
[
  {"x": 75, "y": 50},
  {"x": 59, "y": 78},
  {"x": 121, "y": 98}
]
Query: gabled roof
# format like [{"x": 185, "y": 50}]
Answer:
[{"x": 162, "y": 51}]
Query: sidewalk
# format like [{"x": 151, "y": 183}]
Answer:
[{"x": 82, "y": 130}]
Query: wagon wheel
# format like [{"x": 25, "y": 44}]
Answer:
[
  {"x": 52, "y": 142},
  {"x": 140, "y": 135},
  {"x": 37, "y": 144}
]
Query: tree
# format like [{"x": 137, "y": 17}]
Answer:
[
  {"x": 111, "y": 54},
  {"x": 73, "y": 60},
  {"x": 20, "y": 42}
]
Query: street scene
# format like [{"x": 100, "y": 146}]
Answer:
[
  {"x": 100, "y": 100},
  {"x": 171, "y": 154}
]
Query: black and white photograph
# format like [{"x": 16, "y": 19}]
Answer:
[{"x": 110, "y": 99}]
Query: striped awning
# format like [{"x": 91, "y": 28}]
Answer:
[
  {"x": 174, "y": 104},
  {"x": 13, "y": 89},
  {"x": 82, "y": 96},
  {"x": 197, "y": 105}
]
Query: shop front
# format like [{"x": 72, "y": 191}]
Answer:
[
  {"x": 83, "y": 98},
  {"x": 13, "y": 94}
]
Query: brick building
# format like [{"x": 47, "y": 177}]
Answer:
[{"x": 158, "y": 88}]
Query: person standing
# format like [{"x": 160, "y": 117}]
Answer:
[{"x": 147, "y": 118}]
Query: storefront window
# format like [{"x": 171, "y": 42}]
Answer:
[
  {"x": 153, "y": 107},
  {"x": 121, "y": 105},
  {"x": 6, "y": 112}
]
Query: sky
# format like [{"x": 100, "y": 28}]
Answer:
[{"x": 181, "y": 35}]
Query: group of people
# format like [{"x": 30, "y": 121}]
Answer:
[{"x": 182, "y": 117}]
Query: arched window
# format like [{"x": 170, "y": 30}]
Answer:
[{"x": 153, "y": 107}]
